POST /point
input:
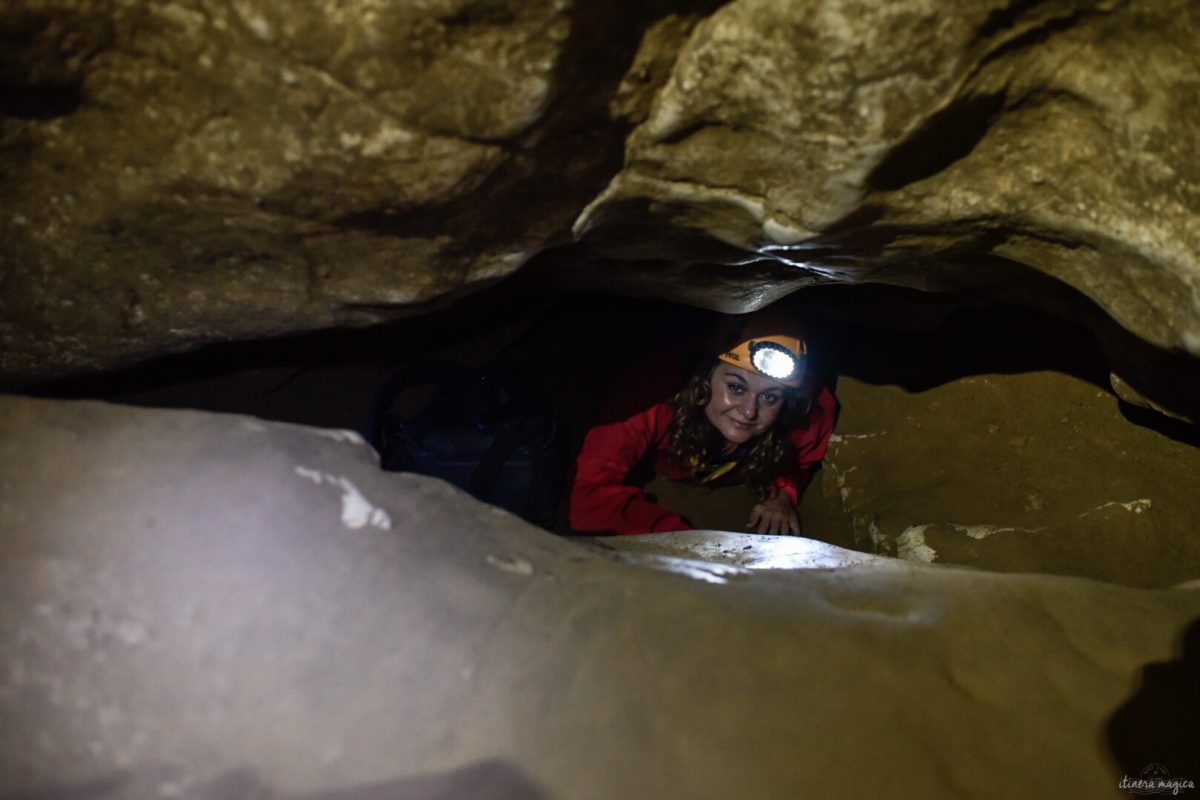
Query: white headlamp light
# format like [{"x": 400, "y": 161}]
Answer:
[{"x": 774, "y": 360}]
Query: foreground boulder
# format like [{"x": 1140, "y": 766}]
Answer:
[{"x": 198, "y": 605}]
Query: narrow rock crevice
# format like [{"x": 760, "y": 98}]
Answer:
[
  {"x": 39, "y": 102},
  {"x": 1038, "y": 33},
  {"x": 947, "y": 136}
]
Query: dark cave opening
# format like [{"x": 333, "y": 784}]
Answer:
[
  {"x": 958, "y": 415},
  {"x": 577, "y": 343}
]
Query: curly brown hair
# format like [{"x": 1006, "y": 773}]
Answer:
[{"x": 692, "y": 439}]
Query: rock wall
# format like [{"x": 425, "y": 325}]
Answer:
[
  {"x": 905, "y": 144},
  {"x": 199, "y": 606},
  {"x": 183, "y": 172},
  {"x": 192, "y": 171}
]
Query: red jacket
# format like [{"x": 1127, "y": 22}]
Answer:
[{"x": 602, "y": 503}]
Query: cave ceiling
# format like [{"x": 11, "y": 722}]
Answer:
[{"x": 179, "y": 173}]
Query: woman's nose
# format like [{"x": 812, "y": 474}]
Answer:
[{"x": 750, "y": 407}]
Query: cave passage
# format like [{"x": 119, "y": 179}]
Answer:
[
  {"x": 970, "y": 433},
  {"x": 577, "y": 343}
]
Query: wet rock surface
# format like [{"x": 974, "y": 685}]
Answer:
[{"x": 207, "y": 605}]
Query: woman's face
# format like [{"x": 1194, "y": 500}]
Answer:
[{"x": 743, "y": 404}]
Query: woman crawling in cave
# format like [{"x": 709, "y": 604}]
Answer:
[{"x": 751, "y": 414}]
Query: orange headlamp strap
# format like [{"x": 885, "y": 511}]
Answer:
[{"x": 779, "y": 358}]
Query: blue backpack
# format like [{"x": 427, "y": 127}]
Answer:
[{"x": 491, "y": 432}]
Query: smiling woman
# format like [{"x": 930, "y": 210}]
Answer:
[{"x": 752, "y": 414}]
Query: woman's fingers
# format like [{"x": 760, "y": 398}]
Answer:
[
  {"x": 784, "y": 524},
  {"x": 773, "y": 521}
]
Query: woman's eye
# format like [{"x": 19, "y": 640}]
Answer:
[
  {"x": 770, "y": 399},
  {"x": 736, "y": 388}
]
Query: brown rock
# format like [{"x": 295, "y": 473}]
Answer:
[
  {"x": 900, "y": 143},
  {"x": 207, "y": 605},
  {"x": 193, "y": 171}
]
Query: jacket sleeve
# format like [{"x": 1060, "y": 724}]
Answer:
[
  {"x": 600, "y": 500},
  {"x": 811, "y": 442}
]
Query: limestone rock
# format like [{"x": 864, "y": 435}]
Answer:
[
  {"x": 200, "y": 605},
  {"x": 1030, "y": 472},
  {"x": 183, "y": 172},
  {"x": 910, "y": 144}
]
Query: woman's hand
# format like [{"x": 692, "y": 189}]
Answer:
[{"x": 776, "y": 516}]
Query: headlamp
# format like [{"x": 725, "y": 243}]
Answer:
[
  {"x": 779, "y": 357},
  {"x": 774, "y": 360}
]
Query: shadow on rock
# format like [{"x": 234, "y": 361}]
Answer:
[
  {"x": 1155, "y": 735},
  {"x": 486, "y": 780}
]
